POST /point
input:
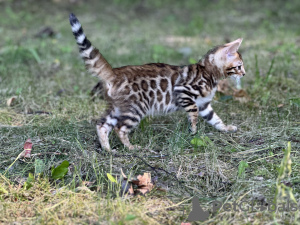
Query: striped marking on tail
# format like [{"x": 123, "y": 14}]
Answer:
[
  {"x": 82, "y": 41},
  {"x": 94, "y": 61}
]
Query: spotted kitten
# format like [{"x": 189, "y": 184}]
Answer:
[{"x": 134, "y": 92}]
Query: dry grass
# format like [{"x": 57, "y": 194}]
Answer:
[{"x": 45, "y": 204}]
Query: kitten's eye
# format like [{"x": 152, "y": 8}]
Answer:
[{"x": 239, "y": 67}]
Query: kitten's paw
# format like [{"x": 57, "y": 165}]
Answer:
[{"x": 230, "y": 128}]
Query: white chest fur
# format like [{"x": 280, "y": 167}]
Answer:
[{"x": 202, "y": 100}]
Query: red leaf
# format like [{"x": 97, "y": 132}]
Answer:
[{"x": 27, "y": 149}]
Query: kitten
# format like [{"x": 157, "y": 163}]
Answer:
[{"x": 134, "y": 92}]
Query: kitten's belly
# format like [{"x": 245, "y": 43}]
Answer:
[{"x": 159, "y": 110}]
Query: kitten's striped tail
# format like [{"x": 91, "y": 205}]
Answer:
[{"x": 94, "y": 61}]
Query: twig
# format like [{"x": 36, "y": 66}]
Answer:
[
  {"x": 193, "y": 188},
  {"x": 54, "y": 206},
  {"x": 268, "y": 157},
  {"x": 40, "y": 112},
  {"x": 45, "y": 153},
  {"x": 252, "y": 150},
  {"x": 152, "y": 167},
  {"x": 179, "y": 203}
]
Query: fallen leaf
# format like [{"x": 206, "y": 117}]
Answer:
[
  {"x": 27, "y": 149},
  {"x": 144, "y": 183},
  {"x": 10, "y": 101},
  {"x": 241, "y": 96},
  {"x": 225, "y": 88},
  {"x": 280, "y": 105},
  {"x": 240, "y": 93}
]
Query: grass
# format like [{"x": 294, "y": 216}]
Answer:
[{"x": 46, "y": 74}]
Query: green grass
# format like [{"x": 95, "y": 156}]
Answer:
[{"x": 46, "y": 74}]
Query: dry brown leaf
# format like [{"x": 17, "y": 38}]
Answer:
[
  {"x": 237, "y": 94},
  {"x": 241, "y": 96},
  {"x": 240, "y": 93},
  {"x": 280, "y": 105},
  {"x": 27, "y": 149},
  {"x": 144, "y": 183},
  {"x": 10, "y": 101}
]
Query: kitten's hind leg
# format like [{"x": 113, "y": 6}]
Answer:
[
  {"x": 125, "y": 124},
  {"x": 123, "y": 135},
  {"x": 97, "y": 91},
  {"x": 103, "y": 129}
]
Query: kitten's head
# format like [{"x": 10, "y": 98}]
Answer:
[
  {"x": 229, "y": 60},
  {"x": 225, "y": 60}
]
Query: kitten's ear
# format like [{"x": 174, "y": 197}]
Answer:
[{"x": 232, "y": 47}]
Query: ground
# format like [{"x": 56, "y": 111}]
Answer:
[{"x": 53, "y": 107}]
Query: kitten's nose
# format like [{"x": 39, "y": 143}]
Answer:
[{"x": 244, "y": 74}]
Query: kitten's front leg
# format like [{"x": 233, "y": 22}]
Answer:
[{"x": 207, "y": 113}]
